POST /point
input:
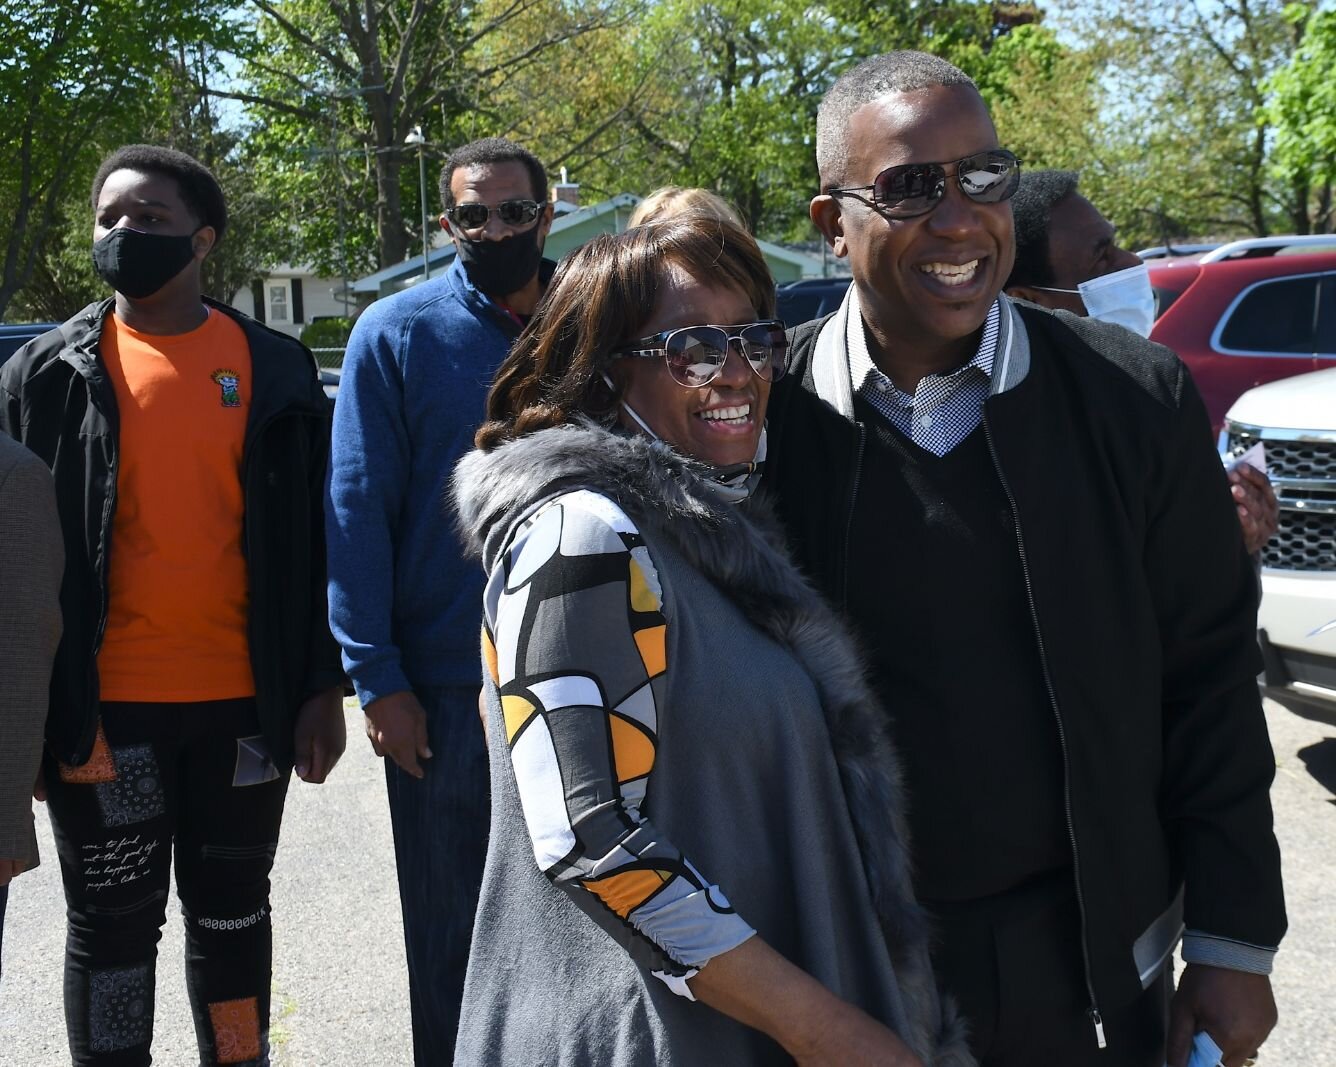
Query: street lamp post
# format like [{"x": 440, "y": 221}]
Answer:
[{"x": 415, "y": 137}]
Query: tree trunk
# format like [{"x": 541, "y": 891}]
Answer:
[
  {"x": 7, "y": 293},
  {"x": 1299, "y": 217},
  {"x": 752, "y": 205},
  {"x": 1255, "y": 185},
  {"x": 391, "y": 235},
  {"x": 1322, "y": 219}
]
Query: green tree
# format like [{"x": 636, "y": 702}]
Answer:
[
  {"x": 69, "y": 69},
  {"x": 629, "y": 95},
  {"x": 1041, "y": 93},
  {"x": 335, "y": 87},
  {"x": 1302, "y": 110},
  {"x": 1182, "y": 142},
  {"x": 724, "y": 94},
  {"x": 83, "y": 79}
]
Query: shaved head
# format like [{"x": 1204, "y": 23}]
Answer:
[{"x": 894, "y": 72}]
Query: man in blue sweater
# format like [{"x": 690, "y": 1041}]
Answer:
[{"x": 404, "y": 603}]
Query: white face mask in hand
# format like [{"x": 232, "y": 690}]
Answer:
[{"x": 1124, "y": 297}]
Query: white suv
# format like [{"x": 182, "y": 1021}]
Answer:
[{"x": 1295, "y": 418}]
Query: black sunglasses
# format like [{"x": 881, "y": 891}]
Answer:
[
  {"x": 695, "y": 354},
  {"x": 511, "y": 212},
  {"x": 911, "y": 189}
]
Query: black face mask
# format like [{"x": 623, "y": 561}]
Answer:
[
  {"x": 501, "y": 267},
  {"x": 137, "y": 264}
]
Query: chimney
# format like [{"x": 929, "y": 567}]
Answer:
[{"x": 565, "y": 195}]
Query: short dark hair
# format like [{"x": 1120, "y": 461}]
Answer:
[
  {"x": 199, "y": 189},
  {"x": 601, "y": 296},
  {"x": 893, "y": 72},
  {"x": 492, "y": 150},
  {"x": 1032, "y": 207}
]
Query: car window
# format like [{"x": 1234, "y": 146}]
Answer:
[
  {"x": 1326, "y": 322},
  {"x": 1164, "y": 297},
  {"x": 1279, "y": 316},
  {"x": 14, "y": 337}
]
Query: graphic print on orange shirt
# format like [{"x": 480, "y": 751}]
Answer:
[
  {"x": 229, "y": 380},
  {"x": 176, "y": 622}
]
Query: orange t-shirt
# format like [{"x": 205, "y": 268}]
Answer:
[{"x": 177, "y": 585}]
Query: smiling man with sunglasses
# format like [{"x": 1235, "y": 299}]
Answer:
[
  {"x": 1022, "y": 513},
  {"x": 403, "y": 601}
]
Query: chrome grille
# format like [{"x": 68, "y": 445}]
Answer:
[
  {"x": 1306, "y": 541},
  {"x": 1304, "y": 476}
]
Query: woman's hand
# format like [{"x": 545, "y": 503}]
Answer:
[
  {"x": 757, "y": 986},
  {"x": 320, "y": 735}
]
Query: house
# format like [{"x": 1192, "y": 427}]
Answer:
[
  {"x": 290, "y": 297},
  {"x": 572, "y": 227}
]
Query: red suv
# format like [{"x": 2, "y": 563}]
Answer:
[{"x": 1248, "y": 312}]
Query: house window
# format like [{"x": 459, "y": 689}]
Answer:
[{"x": 278, "y": 302}]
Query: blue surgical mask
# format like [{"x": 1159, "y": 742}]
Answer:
[{"x": 1124, "y": 297}]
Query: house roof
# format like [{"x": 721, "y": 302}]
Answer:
[{"x": 412, "y": 268}]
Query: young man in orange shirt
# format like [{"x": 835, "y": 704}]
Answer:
[{"x": 188, "y": 445}]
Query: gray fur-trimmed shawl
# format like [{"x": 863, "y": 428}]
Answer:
[{"x": 740, "y": 550}]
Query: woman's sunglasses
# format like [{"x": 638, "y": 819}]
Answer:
[
  {"x": 695, "y": 354},
  {"x": 911, "y": 189},
  {"x": 511, "y": 212}
]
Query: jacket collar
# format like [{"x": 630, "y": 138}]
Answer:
[
  {"x": 830, "y": 354},
  {"x": 283, "y": 371}
]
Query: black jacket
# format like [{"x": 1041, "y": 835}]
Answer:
[
  {"x": 1143, "y": 606},
  {"x": 56, "y": 398}
]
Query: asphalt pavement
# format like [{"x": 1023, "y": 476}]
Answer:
[{"x": 340, "y": 991}]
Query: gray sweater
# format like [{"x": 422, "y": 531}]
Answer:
[{"x": 32, "y": 558}]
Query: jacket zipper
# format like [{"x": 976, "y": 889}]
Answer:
[
  {"x": 104, "y": 544},
  {"x": 1096, "y": 1019},
  {"x": 103, "y": 551},
  {"x": 849, "y": 521}
]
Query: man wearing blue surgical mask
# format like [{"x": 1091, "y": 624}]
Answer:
[{"x": 1068, "y": 259}]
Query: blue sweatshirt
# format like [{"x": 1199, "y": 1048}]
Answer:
[{"x": 403, "y": 602}]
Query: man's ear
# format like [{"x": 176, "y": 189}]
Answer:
[
  {"x": 202, "y": 241},
  {"x": 445, "y": 225},
  {"x": 829, "y": 219},
  {"x": 1024, "y": 292},
  {"x": 1053, "y": 301},
  {"x": 545, "y": 220}
]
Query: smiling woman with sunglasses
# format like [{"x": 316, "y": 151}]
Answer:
[{"x": 693, "y": 794}]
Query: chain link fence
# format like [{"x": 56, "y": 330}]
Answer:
[{"x": 329, "y": 357}]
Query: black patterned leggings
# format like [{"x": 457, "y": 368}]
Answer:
[{"x": 191, "y": 778}]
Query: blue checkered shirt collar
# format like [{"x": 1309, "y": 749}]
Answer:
[{"x": 944, "y": 409}]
